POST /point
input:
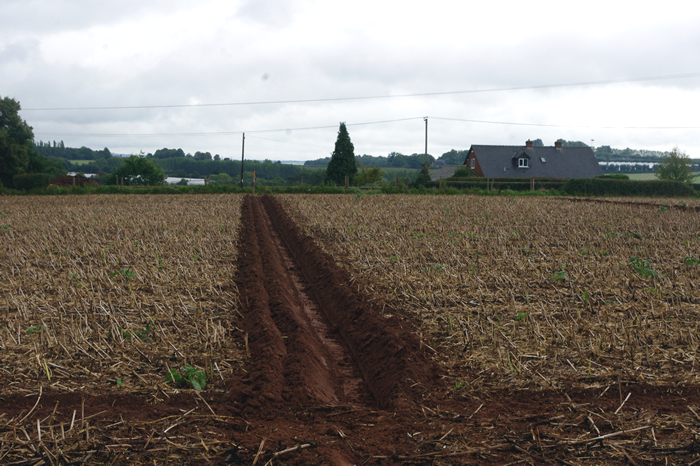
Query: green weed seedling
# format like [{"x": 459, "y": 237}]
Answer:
[
  {"x": 393, "y": 258},
  {"x": 459, "y": 385},
  {"x": 559, "y": 276},
  {"x": 521, "y": 316},
  {"x": 585, "y": 295},
  {"x": 119, "y": 382},
  {"x": 35, "y": 329},
  {"x": 643, "y": 267},
  {"x": 144, "y": 335},
  {"x": 663, "y": 208},
  {"x": 124, "y": 334},
  {"x": 188, "y": 375},
  {"x": 691, "y": 261},
  {"x": 128, "y": 274},
  {"x": 635, "y": 235},
  {"x": 5, "y": 227}
]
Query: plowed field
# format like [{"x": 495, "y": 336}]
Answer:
[{"x": 347, "y": 330}]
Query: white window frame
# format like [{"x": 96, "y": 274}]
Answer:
[{"x": 523, "y": 163}]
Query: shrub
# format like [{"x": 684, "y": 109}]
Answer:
[
  {"x": 613, "y": 187},
  {"x": 29, "y": 181},
  {"x": 462, "y": 172}
]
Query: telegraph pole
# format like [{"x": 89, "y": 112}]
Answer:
[
  {"x": 242, "y": 158},
  {"x": 426, "y": 137}
]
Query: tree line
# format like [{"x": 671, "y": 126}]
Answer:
[{"x": 21, "y": 154}]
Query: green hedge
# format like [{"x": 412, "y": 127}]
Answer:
[
  {"x": 611, "y": 187},
  {"x": 30, "y": 181},
  {"x": 499, "y": 184}
]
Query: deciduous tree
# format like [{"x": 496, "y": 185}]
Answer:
[
  {"x": 15, "y": 141},
  {"x": 677, "y": 166},
  {"x": 140, "y": 171},
  {"x": 368, "y": 175}
]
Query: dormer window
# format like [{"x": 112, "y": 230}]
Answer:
[{"x": 523, "y": 163}]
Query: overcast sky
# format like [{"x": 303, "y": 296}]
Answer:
[{"x": 84, "y": 53}]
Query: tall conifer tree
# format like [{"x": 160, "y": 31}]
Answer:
[{"x": 342, "y": 162}]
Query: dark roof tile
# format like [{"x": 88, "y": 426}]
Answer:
[{"x": 544, "y": 162}]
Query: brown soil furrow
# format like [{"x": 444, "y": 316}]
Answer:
[
  {"x": 388, "y": 355},
  {"x": 293, "y": 357},
  {"x": 304, "y": 356}
]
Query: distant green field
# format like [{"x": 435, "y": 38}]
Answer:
[
  {"x": 642, "y": 176},
  {"x": 652, "y": 176},
  {"x": 394, "y": 170},
  {"x": 81, "y": 162}
]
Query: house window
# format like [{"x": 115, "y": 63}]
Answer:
[
  {"x": 473, "y": 163},
  {"x": 543, "y": 160},
  {"x": 523, "y": 163}
]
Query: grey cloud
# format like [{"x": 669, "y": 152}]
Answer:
[
  {"x": 61, "y": 15},
  {"x": 272, "y": 13},
  {"x": 229, "y": 69},
  {"x": 18, "y": 51}
]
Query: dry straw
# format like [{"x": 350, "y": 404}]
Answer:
[{"x": 526, "y": 292}]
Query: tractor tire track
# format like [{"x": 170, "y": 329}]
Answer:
[{"x": 312, "y": 339}]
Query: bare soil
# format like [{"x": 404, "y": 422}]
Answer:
[{"x": 329, "y": 380}]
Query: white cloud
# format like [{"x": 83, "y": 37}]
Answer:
[{"x": 86, "y": 54}]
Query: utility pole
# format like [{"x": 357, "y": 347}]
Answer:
[
  {"x": 426, "y": 137},
  {"x": 242, "y": 158}
]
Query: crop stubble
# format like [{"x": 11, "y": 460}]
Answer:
[
  {"x": 531, "y": 306},
  {"x": 509, "y": 288},
  {"x": 99, "y": 297},
  {"x": 97, "y": 288},
  {"x": 524, "y": 296}
]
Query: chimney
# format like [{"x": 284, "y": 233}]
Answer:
[
  {"x": 557, "y": 144},
  {"x": 528, "y": 143}
]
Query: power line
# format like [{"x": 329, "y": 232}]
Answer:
[
  {"x": 226, "y": 132},
  {"x": 308, "y": 128},
  {"x": 564, "y": 126},
  {"x": 339, "y": 99}
]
